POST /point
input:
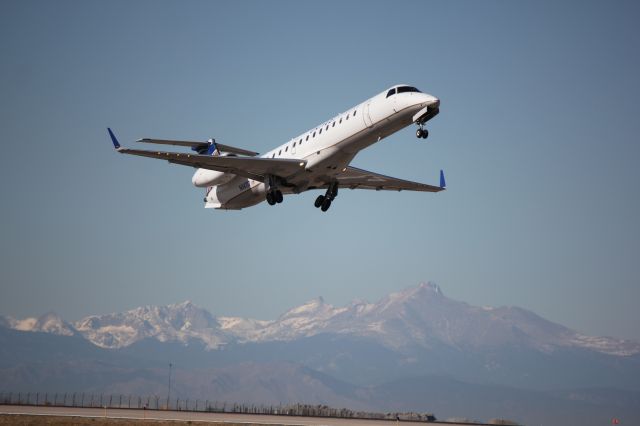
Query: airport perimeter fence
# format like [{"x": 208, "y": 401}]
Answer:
[{"x": 121, "y": 401}]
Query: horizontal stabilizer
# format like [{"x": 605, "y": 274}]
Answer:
[{"x": 197, "y": 146}]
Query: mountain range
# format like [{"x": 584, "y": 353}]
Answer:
[
  {"x": 417, "y": 341},
  {"x": 419, "y": 316}
]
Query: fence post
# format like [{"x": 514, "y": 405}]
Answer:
[
  {"x": 110, "y": 400},
  {"x": 46, "y": 398}
]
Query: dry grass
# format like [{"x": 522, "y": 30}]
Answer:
[{"x": 27, "y": 420}]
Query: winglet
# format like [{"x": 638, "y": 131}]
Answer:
[
  {"x": 443, "y": 184},
  {"x": 116, "y": 144}
]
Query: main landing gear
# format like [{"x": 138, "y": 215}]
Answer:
[
  {"x": 274, "y": 197},
  {"x": 422, "y": 133},
  {"x": 324, "y": 201}
]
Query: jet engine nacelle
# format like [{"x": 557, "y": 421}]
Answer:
[{"x": 203, "y": 178}]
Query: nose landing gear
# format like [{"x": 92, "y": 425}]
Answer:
[
  {"x": 324, "y": 201},
  {"x": 422, "y": 133}
]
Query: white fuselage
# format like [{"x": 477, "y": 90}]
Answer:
[{"x": 327, "y": 148}]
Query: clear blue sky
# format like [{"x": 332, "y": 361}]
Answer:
[{"x": 538, "y": 135}]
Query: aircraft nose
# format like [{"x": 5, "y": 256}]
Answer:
[{"x": 431, "y": 101}]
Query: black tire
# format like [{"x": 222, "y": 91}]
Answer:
[
  {"x": 319, "y": 201},
  {"x": 425, "y": 134},
  {"x": 325, "y": 205},
  {"x": 419, "y": 133},
  {"x": 270, "y": 199},
  {"x": 279, "y": 197}
]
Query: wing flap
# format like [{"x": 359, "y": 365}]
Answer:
[
  {"x": 354, "y": 178},
  {"x": 249, "y": 167}
]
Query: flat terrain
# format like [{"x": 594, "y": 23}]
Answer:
[
  {"x": 32, "y": 415},
  {"x": 32, "y": 420}
]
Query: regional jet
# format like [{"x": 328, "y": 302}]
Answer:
[{"x": 236, "y": 178}]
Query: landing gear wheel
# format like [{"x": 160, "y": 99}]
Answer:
[
  {"x": 419, "y": 133},
  {"x": 270, "y": 198},
  {"x": 278, "y": 196},
  {"x": 319, "y": 201},
  {"x": 325, "y": 205},
  {"x": 425, "y": 134}
]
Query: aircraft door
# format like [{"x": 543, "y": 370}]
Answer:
[{"x": 366, "y": 117}]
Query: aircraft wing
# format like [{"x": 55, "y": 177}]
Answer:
[
  {"x": 354, "y": 178},
  {"x": 196, "y": 145},
  {"x": 249, "y": 167}
]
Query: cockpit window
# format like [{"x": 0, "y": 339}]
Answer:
[
  {"x": 405, "y": 89},
  {"x": 391, "y": 92}
]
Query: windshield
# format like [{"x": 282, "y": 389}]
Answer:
[{"x": 405, "y": 89}]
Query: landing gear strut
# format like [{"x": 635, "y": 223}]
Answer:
[
  {"x": 274, "y": 195},
  {"x": 324, "y": 201}
]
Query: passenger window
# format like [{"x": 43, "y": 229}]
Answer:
[
  {"x": 334, "y": 124},
  {"x": 286, "y": 149},
  {"x": 340, "y": 120},
  {"x": 279, "y": 153},
  {"x": 347, "y": 116},
  {"x": 354, "y": 113},
  {"x": 300, "y": 141},
  {"x": 294, "y": 144},
  {"x": 307, "y": 138},
  {"x": 327, "y": 128},
  {"x": 314, "y": 134},
  {"x": 320, "y": 132},
  {"x": 273, "y": 155}
]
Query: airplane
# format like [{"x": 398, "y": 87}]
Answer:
[{"x": 237, "y": 178}]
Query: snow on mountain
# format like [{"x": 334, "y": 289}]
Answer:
[
  {"x": 420, "y": 316},
  {"x": 178, "y": 322},
  {"x": 423, "y": 316},
  {"x": 47, "y": 323}
]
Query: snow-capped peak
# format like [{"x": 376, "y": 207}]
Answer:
[
  {"x": 177, "y": 322},
  {"x": 47, "y": 323},
  {"x": 314, "y": 306},
  {"x": 417, "y": 316}
]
